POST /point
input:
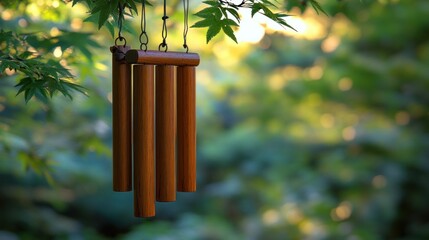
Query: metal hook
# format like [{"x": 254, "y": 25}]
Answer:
[{"x": 120, "y": 38}]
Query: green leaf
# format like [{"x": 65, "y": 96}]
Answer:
[
  {"x": 234, "y": 13},
  {"x": 285, "y": 24},
  {"x": 268, "y": 12},
  {"x": 268, "y": 3},
  {"x": 212, "y": 31},
  {"x": 203, "y": 23},
  {"x": 212, "y": 3},
  {"x": 93, "y": 18},
  {"x": 132, "y": 5},
  {"x": 12, "y": 65},
  {"x": 25, "y": 54},
  {"x": 25, "y": 84},
  {"x": 64, "y": 90},
  {"x": 104, "y": 14},
  {"x": 29, "y": 93},
  {"x": 75, "y": 2},
  {"x": 114, "y": 5},
  {"x": 229, "y": 32},
  {"x": 207, "y": 12},
  {"x": 75, "y": 87},
  {"x": 317, "y": 7},
  {"x": 98, "y": 6},
  {"x": 255, "y": 8},
  {"x": 42, "y": 95},
  {"x": 110, "y": 28},
  {"x": 4, "y": 65},
  {"x": 229, "y": 22}
]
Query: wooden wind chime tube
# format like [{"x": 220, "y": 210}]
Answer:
[
  {"x": 121, "y": 120},
  {"x": 186, "y": 130},
  {"x": 143, "y": 140},
  {"x": 165, "y": 134}
]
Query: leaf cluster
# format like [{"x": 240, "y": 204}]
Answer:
[
  {"x": 110, "y": 13},
  {"x": 216, "y": 18},
  {"x": 43, "y": 77},
  {"x": 223, "y": 15}
]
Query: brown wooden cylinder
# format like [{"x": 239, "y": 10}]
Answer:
[
  {"x": 186, "y": 130},
  {"x": 163, "y": 58},
  {"x": 144, "y": 140},
  {"x": 121, "y": 120},
  {"x": 165, "y": 134}
]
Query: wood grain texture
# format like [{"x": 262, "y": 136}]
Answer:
[
  {"x": 144, "y": 140},
  {"x": 186, "y": 130},
  {"x": 163, "y": 58},
  {"x": 165, "y": 134},
  {"x": 121, "y": 120}
]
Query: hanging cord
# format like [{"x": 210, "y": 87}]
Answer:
[
  {"x": 120, "y": 18},
  {"x": 164, "y": 29},
  {"x": 144, "y": 38},
  {"x": 185, "y": 23}
]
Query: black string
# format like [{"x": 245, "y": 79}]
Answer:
[
  {"x": 144, "y": 38},
  {"x": 164, "y": 29},
  {"x": 120, "y": 18},
  {"x": 185, "y": 23}
]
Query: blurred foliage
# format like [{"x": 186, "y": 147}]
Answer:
[{"x": 315, "y": 134}]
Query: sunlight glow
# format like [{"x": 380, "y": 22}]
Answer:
[
  {"x": 291, "y": 72},
  {"x": 306, "y": 27},
  {"x": 296, "y": 22},
  {"x": 250, "y": 30},
  {"x": 9, "y": 71},
  {"x": 58, "y": 52},
  {"x": 276, "y": 82},
  {"x": 345, "y": 84},
  {"x": 315, "y": 72},
  {"x": 228, "y": 54},
  {"x": 22, "y": 22},
  {"x": 76, "y": 23},
  {"x": 33, "y": 10},
  {"x": 327, "y": 120},
  {"x": 330, "y": 44},
  {"x": 342, "y": 212},
  {"x": 349, "y": 133},
  {"x": 55, "y": 4},
  {"x": 270, "y": 217},
  {"x": 343, "y": 28},
  {"x": 63, "y": 63},
  {"x": 307, "y": 227},
  {"x": 54, "y": 32},
  {"x": 101, "y": 66},
  {"x": 291, "y": 213},
  {"x": 6, "y": 15}
]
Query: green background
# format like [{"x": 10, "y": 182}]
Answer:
[{"x": 320, "y": 134}]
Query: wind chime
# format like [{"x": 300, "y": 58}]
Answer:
[{"x": 154, "y": 132}]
